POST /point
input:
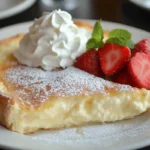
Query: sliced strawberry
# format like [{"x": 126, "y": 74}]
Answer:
[
  {"x": 89, "y": 62},
  {"x": 113, "y": 57},
  {"x": 142, "y": 46},
  {"x": 123, "y": 77},
  {"x": 139, "y": 69}
]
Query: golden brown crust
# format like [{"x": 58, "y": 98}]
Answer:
[
  {"x": 5, "y": 102},
  {"x": 11, "y": 39},
  {"x": 83, "y": 24}
]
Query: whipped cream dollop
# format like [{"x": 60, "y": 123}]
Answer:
[{"x": 53, "y": 41}]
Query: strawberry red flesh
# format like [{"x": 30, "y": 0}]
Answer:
[
  {"x": 113, "y": 57},
  {"x": 123, "y": 77},
  {"x": 142, "y": 46},
  {"x": 89, "y": 62},
  {"x": 139, "y": 69}
]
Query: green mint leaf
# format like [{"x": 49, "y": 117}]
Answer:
[
  {"x": 96, "y": 40},
  {"x": 130, "y": 44},
  {"x": 121, "y": 42},
  {"x": 98, "y": 31},
  {"x": 93, "y": 43},
  {"x": 120, "y": 33},
  {"x": 118, "y": 41}
]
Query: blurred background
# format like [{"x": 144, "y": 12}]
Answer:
[{"x": 131, "y": 12}]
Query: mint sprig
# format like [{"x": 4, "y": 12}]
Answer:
[
  {"x": 120, "y": 37},
  {"x": 120, "y": 33},
  {"x": 118, "y": 41},
  {"x": 93, "y": 43},
  {"x": 98, "y": 32},
  {"x": 130, "y": 44},
  {"x": 96, "y": 40}
]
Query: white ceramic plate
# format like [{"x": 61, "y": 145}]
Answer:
[
  {"x": 142, "y": 3},
  {"x": 9, "y": 8},
  {"x": 121, "y": 135}
]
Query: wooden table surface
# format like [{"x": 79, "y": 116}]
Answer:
[{"x": 121, "y": 11}]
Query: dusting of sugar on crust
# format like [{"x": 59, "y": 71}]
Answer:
[{"x": 34, "y": 85}]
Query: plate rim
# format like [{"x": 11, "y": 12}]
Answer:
[
  {"x": 139, "y": 5},
  {"x": 16, "y": 9},
  {"x": 139, "y": 144},
  {"x": 28, "y": 23}
]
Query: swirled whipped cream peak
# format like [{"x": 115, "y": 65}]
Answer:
[{"x": 53, "y": 41}]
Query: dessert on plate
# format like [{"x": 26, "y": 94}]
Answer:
[{"x": 63, "y": 74}]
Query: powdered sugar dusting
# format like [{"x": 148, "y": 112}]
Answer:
[{"x": 35, "y": 85}]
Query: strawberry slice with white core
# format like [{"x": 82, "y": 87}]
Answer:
[
  {"x": 139, "y": 69},
  {"x": 113, "y": 57}
]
